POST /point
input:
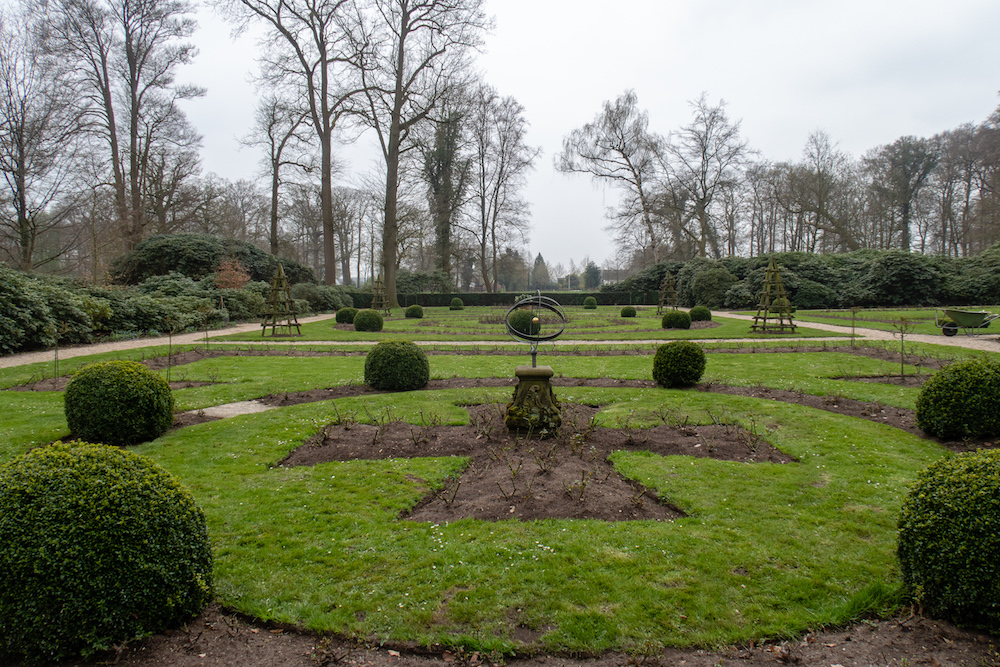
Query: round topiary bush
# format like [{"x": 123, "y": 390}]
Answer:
[
  {"x": 628, "y": 311},
  {"x": 961, "y": 400},
  {"x": 949, "y": 538},
  {"x": 456, "y": 304},
  {"x": 415, "y": 311},
  {"x": 700, "y": 314},
  {"x": 347, "y": 315},
  {"x": 590, "y": 303},
  {"x": 118, "y": 403},
  {"x": 676, "y": 319},
  {"x": 397, "y": 365},
  {"x": 678, "y": 364},
  {"x": 368, "y": 320},
  {"x": 523, "y": 321},
  {"x": 100, "y": 546}
]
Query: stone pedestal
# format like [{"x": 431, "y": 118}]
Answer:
[{"x": 534, "y": 409}]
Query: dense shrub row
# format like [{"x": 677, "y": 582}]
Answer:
[
  {"x": 40, "y": 311},
  {"x": 199, "y": 255},
  {"x": 863, "y": 278}
]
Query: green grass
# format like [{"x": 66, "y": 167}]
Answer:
[
  {"x": 768, "y": 550},
  {"x": 485, "y": 324},
  {"x": 815, "y": 372}
]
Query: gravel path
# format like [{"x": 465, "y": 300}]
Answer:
[{"x": 988, "y": 343}]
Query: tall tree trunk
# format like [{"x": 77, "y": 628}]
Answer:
[
  {"x": 275, "y": 183},
  {"x": 326, "y": 207}
]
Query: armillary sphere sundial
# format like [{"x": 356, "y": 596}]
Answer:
[{"x": 534, "y": 409}]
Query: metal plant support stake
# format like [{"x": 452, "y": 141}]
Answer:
[{"x": 534, "y": 408}]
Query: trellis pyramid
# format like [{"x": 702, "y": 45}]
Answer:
[
  {"x": 279, "y": 312},
  {"x": 774, "y": 313},
  {"x": 668, "y": 294},
  {"x": 378, "y": 296}
]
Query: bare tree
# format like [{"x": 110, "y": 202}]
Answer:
[
  {"x": 955, "y": 194},
  {"x": 903, "y": 168},
  {"x": 500, "y": 162},
  {"x": 351, "y": 207},
  {"x": 618, "y": 148},
  {"x": 311, "y": 45},
  {"x": 125, "y": 55},
  {"x": 39, "y": 137},
  {"x": 705, "y": 158},
  {"x": 418, "y": 48},
  {"x": 818, "y": 188},
  {"x": 168, "y": 170},
  {"x": 280, "y": 127}
]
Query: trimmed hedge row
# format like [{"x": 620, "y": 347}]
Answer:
[{"x": 469, "y": 299}]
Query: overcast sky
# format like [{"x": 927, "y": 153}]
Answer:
[{"x": 865, "y": 71}]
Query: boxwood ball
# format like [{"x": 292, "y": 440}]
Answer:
[
  {"x": 100, "y": 546},
  {"x": 397, "y": 365},
  {"x": 118, "y": 403}
]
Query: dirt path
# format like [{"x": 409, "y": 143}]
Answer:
[{"x": 984, "y": 343}]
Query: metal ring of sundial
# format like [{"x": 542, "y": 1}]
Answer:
[{"x": 537, "y": 304}]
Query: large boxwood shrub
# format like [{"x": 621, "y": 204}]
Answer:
[
  {"x": 118, "y": 403},
  {"x": 700, "y": 314},
  {"x": 368, "y": 320},
  {"x": 628, "y": 311},
  {"x": 961, "y": 400},
  {"x": 100, "y": 546},
  {"x": 415, "y": 311},
  {"x": 346, "y": 315},
  {"x": 397, "y": 365},
  {"x": 676, "y": 319},
  {"x": 949, "y": 539},
  {"x": 523, "y": 321},
  {"x": 456, "y": 304},
  {"x": 678, "y": 364},
  {"x": 590, "y": 303}
]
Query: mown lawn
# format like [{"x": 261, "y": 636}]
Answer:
[{"x": 767, "y": 550}]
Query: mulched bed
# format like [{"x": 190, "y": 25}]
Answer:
[{"x": 511, "y": 477}]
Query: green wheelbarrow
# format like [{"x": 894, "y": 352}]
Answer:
[{"x": 969, "y": 321}]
